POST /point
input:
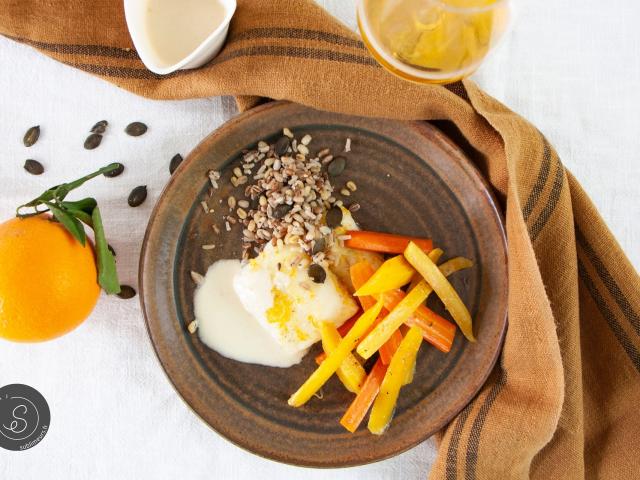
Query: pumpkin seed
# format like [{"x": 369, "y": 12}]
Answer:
[
  {"x": 334, "y": 217},
  {"x": 126, "y": 292},
  {"x": 116, "y": 172},
  {"x": 175, "y": 163},
  {"x": 337, "y": 166},
  {"x": 136, "y": 129},
  {"x": 137, "y": 196},
  {"x": 318, "y": 245},
  {"x": 100, "y": 127},
  {"x": 31, "y": 137},
  {"x": 281, "y": 210},
  {"x": 93, "y": 141},
  {"x": 317, "y": 273},
  {"x": 34, "y": 167},
  {"x": 281, "y": 145}
]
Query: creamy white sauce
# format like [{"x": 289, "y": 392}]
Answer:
[
  {"x": 226, "y": 327},
  {"x": 175, "y": 28}
]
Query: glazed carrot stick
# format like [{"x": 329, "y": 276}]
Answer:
[
  {"x": 384, "y": 242},
  {"x": 363, "y": 401},
  {"x": 342, "y": 330},
  {"x": 327, "y": 368},
  {"x": 360, "y": 273},
  {"x": 436, "y": 330}
]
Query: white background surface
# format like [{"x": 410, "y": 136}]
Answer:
[{"x": 572, "y": 68}]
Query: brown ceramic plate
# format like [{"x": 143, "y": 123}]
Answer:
[{"x": 411, "y": 180}]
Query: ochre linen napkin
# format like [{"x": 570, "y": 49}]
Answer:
[{"x": 563, "y": 401}]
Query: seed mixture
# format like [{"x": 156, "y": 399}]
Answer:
[{"x": 287, "y": 197}]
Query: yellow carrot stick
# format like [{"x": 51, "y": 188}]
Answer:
[
  {"x": 455, "y": 264},
  {"x": 411, "y": 369},
  {"x": 334, "y": 359},
  {"x": 385, "y": 403},
  {"x": 350, "y": 372},
  {"x": 389, "y": 324},
  {"x": 394, "y": 273},
  {"x": 432, "y": 274},
  {"x": 434, "y": 255}
]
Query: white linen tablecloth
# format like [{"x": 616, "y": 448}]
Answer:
[{"x": 571, "y": 68}]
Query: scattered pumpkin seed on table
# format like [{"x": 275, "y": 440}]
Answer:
[
  {"x": 126, "y": 292},
  {"x": 137, "y": 196},
  {"x": 100, "y": 127},
  {"x": 175, "y": 163},
  {"x": 31, "y": 136},
  {"x": 135, "y": 129},
  {"x": 116, "y": 172},
  {"x": 34, "y": 167},
  {"x": 93, "y": 141}
]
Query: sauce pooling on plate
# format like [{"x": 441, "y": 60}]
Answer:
[
  {"x": 177, "y": 27},
  {"x": 225, "y": 326}
]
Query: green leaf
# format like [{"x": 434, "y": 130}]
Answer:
[
  {"x": 85, "y": 205},
  {"x": 107, "y": 272},
  {"x": 59, "y": 192},
  {"x": 69, "y": 222},
  {"x": 81, "y": 215}
]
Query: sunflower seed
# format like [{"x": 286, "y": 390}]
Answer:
[
  {"x": 287, "y": 132},
  {"x": 93, "y": 141},
  {"x": 116, "y": 172},
  {"x": 34, "y": 167},
  {"x": 137, "y": 196},
  {"x": 197, "y": 278},
  {"x": 31, "y": 136},
  {"x": 136, "y": 129},
  {"x": 347, "y": 145},
  {"x": 175, "y": 162}
]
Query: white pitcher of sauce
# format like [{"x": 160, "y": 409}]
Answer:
[{"x": 172, "y": 35}]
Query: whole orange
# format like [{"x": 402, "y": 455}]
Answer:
[{"x": 48, "y": 280}]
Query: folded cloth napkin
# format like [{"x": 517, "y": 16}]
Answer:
[{"x": 562, "y": 402}]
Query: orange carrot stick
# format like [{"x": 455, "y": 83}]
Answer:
[
  {"x": 360, "y": 273},
  {"x": 361, "y": 404},
  {"x": 390, "y": 346},
  {"x": 384, "y": 242},
  {"x": 436, "y": 330}
]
